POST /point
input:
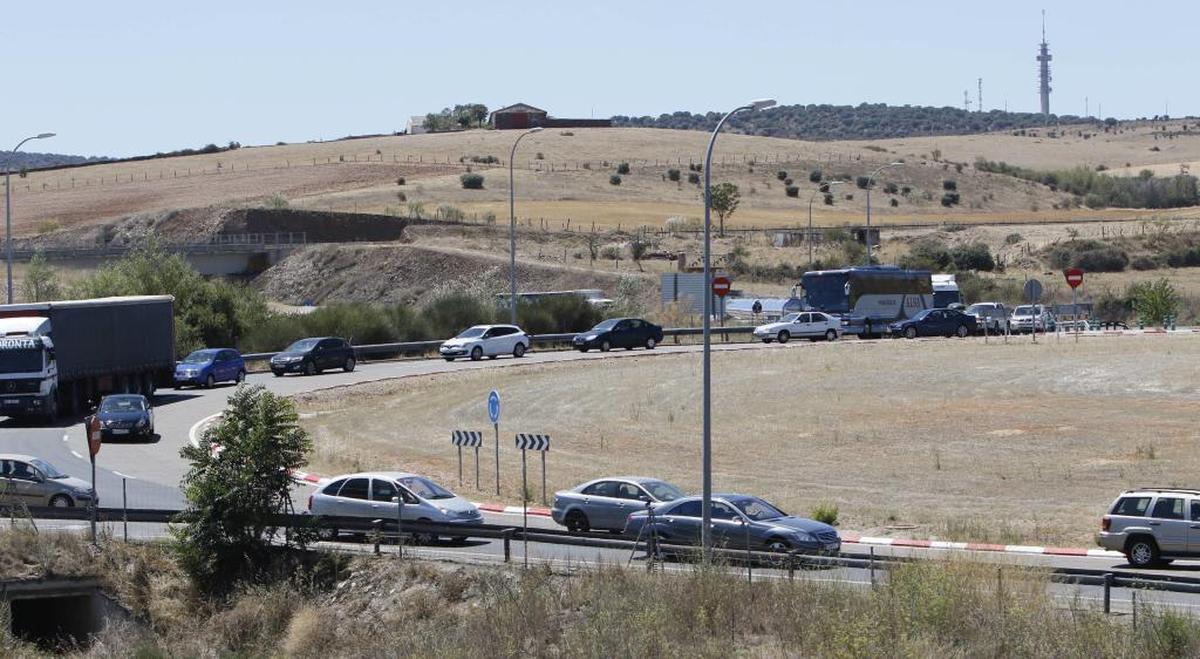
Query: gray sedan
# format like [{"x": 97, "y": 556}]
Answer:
[
  {"x": 739, "y": 521},
  {"x": 604, "y": 503},
  {"x": 32, "y": 481}
]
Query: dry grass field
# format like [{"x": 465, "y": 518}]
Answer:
[
  {"x": 938, "y": 438},
  {"x": 572, "y": 179}
]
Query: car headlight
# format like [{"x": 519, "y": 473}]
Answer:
[
  {"x": 141, "y": 423},
  {"x": 804, "y": 536},
  {"x": 590, "y": 337}
]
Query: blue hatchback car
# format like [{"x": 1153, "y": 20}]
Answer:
[{"x": 210, "y": 366}]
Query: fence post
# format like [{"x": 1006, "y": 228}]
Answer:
[
  {"x": 507, "y": 534},
  {"x": 871, "y": 565},
  {"x": 1108, "y": 583},
  {"x": 378, "y": 533}
]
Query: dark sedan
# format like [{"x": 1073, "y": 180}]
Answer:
[
  {"x": 125, "y": 416},
  {"x": 935, "y": 322},
  {"x": 739, "y": 521},
  {"x": 311, "y": 356},
  {"x": 627, "y": 333}
]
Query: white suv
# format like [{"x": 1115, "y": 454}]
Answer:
[
  {"x": 1153, "y": 525},
  {"x": 811, "y": 325},
  {"x": 486, "y": 340},
  {"x": 1031, "y": 318}
]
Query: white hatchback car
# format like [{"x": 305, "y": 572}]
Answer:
[
  {"x": 486, "y": 340},
  {"x": 811, "y": 325},
  {"x": 373, "y": 495}
]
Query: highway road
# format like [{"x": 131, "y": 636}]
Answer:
[{"x": 153, "y": 469}]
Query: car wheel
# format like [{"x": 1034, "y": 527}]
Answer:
[
  {"x": 778, "y": 544},
  {"x": 328, "y": 535},
  {"x": 831, "y": 335},
  {"x": 519, "y": 350},
  {"x": 783, "y": 336},
  {"x": 1142, "y": 552},
  {"x": 583, "y": 349},
  {"x": 424, "y": 538},
  {"x": 349, "y": 365},
  {"x": 310, "y": 369},
  {"x": 766, "y": 340},
  {"x": 449, "y": 359},
  {"x": 278, "y": 374},
  {"x": 577, "y": 522},
  {"x": 61, "y": 501},
  {"x": 962, "y": 331},
  {"x": 210, "y": 381},
  {"x": 605, "y": 346},
  {"x": 476, "y": 354},
  {"x": 458, "y": 539},
  {"x": 910, "y": 332},
  {"x": 651, "y": 343},
  {"x": 241, "y": 377}
]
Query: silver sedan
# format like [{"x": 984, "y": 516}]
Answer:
[
  {"x": 32, "y": 481},
  {"x": 604, "y": 503}
]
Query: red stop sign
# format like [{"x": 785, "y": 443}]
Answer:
[
  {"x": 720, "y": 286},
  {"x": 1074, "y": 277}
]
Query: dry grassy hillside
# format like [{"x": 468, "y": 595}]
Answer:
[{"x": 571, "y": 180}]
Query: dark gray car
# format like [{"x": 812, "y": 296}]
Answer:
[
  {"x": 738, "y": 521},
  {"x": 32, "y": 481},
  {"x": 604, "y": 503}
]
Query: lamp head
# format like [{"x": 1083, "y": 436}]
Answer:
[
  {"x": 761, "y": 104},
  {"x": 895, "y": 164},
  {"x": 535, "y": 129},
  {"x": 42, "y": 136}
]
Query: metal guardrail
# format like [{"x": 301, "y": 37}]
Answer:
[
  {"x": 219, "y": 243},
  {"x": 422, "y": 347}
]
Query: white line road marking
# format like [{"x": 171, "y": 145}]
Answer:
[
  {"x": 77, "y": 454},
  {"x": 194, "y": 432},
  {"x": 125, "y": 475}
]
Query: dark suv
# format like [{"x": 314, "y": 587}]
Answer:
[{"x": 311, "y": 356}]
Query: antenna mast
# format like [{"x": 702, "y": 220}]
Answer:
[{"x": 1043, "y": 59}]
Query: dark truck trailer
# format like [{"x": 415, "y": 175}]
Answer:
[{"x": 88, "y": 348}]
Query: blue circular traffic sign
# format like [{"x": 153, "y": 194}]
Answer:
[{"x": 494, "y": 407}]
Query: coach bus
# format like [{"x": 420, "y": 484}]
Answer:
[{"x": 867, "y": 298}]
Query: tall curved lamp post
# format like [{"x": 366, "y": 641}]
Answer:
[
  {"x": 8, "y": 211},
  {"x": 824, "y": 187},
  {"x": 870, "y": 181},
  {"x": 706, "y": 442},
  {"x": 512, "y": 228}
]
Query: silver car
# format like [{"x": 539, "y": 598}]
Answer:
[
  {"x": 1153, "y": 526},
  {"x": 374, "y": 495},
  {"x": 604, "y": 503},
  {"x": 739, "y": 521},
  {"x": 991, "y": 316},
  {"x": 35, "y": 482}
]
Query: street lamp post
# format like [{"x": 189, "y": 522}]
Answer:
[
  {"x": 870, "y": 180},
  {"x": 824, "y": 187},
  {"x": 706, "y": 442},
  {"x": 512, "y": 228},
  {"x": 8, "y": 211}
]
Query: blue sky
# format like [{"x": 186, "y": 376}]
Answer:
[{"x": 124, "y": 77}]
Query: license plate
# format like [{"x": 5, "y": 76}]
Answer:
[
  {"x": 120, "y": 431},
  {"x": 12, "y": 401}
]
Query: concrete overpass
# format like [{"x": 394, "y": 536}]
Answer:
[{"x": 223, "y": 254}]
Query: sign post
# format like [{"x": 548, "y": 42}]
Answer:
[
  {"x": 533, "y": 443},
  {"x": 1033, "y": 293},
  {"x": 720, "y": 288},
  {"x": 493, "y": 404},
  {"x": 470, "y": 438},
  {"x": 92, "y": 430},
  {"x": 1074, "y": 280}
]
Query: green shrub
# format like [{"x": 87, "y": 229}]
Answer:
[
  {"x": 1109, "y": 259},
  {"x": 894, "y": 202},
  {"x": 557, "y": 315},
  {"x": 610, "y": 252},
  {"x": 1144, "y": 263},
  {"x": 950, "y": 185},
  {"x": 825, "y": 512},
  {"x": 1013, "y": 239},
  {"x": 891, "y": 188},
  {"x": 1183, "y": 257},
  {"x": 792, "y": 191},
  {"x": 277, "y": 201},
  {"x": 400, "y": 181},
  {"x": 623, "y": 168},
  {"x": 951, "y": 199},
  {"x": 694, "y": 178},
  {"x": 781, "y": 175},
  {"x": 828, "y": 198},
  {"x": 673, "y": 174},
  {"x": 974, "y": 256},
  {"x": 472, "y": 181},
  {"x": 450, "y": 213},
  {"x": 614, "y": 180},
  {"x": 928, "y": 254},
  {"x": 862, "y": 182},
  {"x": 814, "y": 176},
  {"x": 1154, "y": 301},
  {"x": 788, "y": 181}
]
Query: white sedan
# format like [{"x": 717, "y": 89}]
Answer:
[
  {"x": 811, "y": 325},
  {"x": 375, "y": 495},
  {"x": 486, "y": 340}
]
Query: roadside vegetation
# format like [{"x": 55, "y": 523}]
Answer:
[{"x": 1098, "y": 190}]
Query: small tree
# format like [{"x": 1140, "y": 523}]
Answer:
[
  {"x": 781, "y": 175},
  {"x": 592, "y": 240},
  {"x": 950, "y": 185},
  {"x": 277, "y": 201},
  {"x": 894, "y": 202},
  {"x": 623, "y": 168},
  {"x": 638, "y": 246},
  {"x": 862, "y": 182},
  {"x": 41, "y": 281},
  {"x": 890, "y": 188},
  {"x": 815, "y": 176},
  {"x": 724, "y": 198},
  {"x": 472, "y": 181},
  {"x": 614, "y": 180},
  {"x": 792, "y": 191},
  {"x": 950, "y": 199},
  {"x": 694, "y": 178},
  {"x": 1154, "y": 301},
  {"x": 673, "y": 174},
  {"x": 239, "y": 480},
  {"x": 828, "y": 198}
]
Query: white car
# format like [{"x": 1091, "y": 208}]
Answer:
[
  {"x": 486, "y": 340},
  {"x": 1032, "y": 317},
  {"x": 992, "y": 316},
  {"x": 811, "y": 325},
  {"x": 373, "y": 495}
]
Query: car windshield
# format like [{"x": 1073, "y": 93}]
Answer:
[
  {"x": 606, "y": 325},
  {"x": 123, "y": 404},
  {"x": 757, "y": 509},
  {"x": 47, "y": 468},
  {"x": 1026, "y": 311},
  {"x": 790, "y": 318},
  {"x": 425, "y": 488},
  {"x": 200, "y": 357},
  {"x": 472, "y": 332},
  {"x": 303, "y": 345},
  {"x": 978, "y": 308},
  {"x": 662, "y": 491},
  {"x": 921, "y": 314}
]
